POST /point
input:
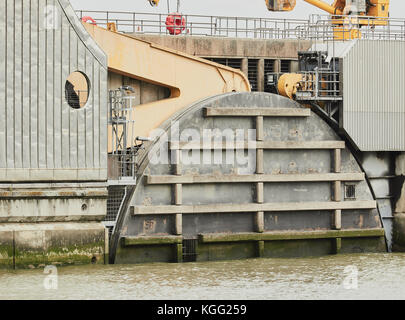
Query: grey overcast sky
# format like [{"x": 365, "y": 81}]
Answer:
[{"x": 241, "y": 8}]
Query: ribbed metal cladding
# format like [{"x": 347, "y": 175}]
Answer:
[
  {"x": 374, "y": 95},
  {"x": 41, "y": 137}
]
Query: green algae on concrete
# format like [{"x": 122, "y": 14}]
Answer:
[
  {"x": 226, "y": 251},
  {"x": 6, "y": 250},
  {"x": 26, "y": 246},
  {"x": 136, "y": 241},
  {"x": 76, "y": 254},
  {"x": 293, "y": 235},
  {"x": 151, "y": 249},
  {"x": 11, "y": 258},
  {"x": 297, "y": 248},
  {"x": 216, "y": 247},
  {"x": 147, "y": 254},
  {"x": 399, "y": 233},
  {"x": 364, "y": 245}
]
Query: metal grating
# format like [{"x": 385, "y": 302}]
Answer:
[
  {"x": 121, "y": 118},
  {"x": 252, "y": 73},
  {"x": 190, "y": 250},
  {"x": 269, "y": 67},
  {"x": 115, "y": 197},
  {"x": 350, "y": 192},
  {"x": 76, "y": 99},
  {"x": 285, "y": 66},
  {"x": 233, "y": 63}
]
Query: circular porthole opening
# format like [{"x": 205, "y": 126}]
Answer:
[{"x": 77, "y": 88}]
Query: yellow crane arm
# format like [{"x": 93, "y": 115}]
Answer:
[
  {"x": 154, "y": 3},
  {"x": 285, "y": 5},
  {"x": 332, "y": 9},
  {"x": 376, "y": 8},
  {"x": 372, "y": 8},
  {"x": 288, "y": 5},
  {"x": 181, "y": 73}
]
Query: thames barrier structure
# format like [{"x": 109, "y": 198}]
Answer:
[{"x": 121, "y": 143}]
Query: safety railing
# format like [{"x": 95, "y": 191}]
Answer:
[
  {"x": 319, "y": 85},
  {"x": 326, "y": 28},
  {"x": 121, "y": 119},
  {"x": 200, "y": 25},
  {"x": 316, "y": 28}
]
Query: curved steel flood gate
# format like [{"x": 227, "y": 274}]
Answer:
[{"x": 287, "y": 187}]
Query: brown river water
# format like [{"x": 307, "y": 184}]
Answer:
[{"x": 359, "y": 276}]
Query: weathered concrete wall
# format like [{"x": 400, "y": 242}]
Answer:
[
  {"x": 400, "y": 165},
  {"x": 56, "y": 224},
  {"x": 36, "y": 245},
  {"x": 229, "y": 47},
  {"x": 380, "y": 170},
  {"x": 28, "y": 203},
  {"x": 399, "y": 220},
  {"x": 246, "y": 50}
]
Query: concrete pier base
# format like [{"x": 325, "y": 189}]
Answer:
[
  {"x": 36, "y": 245},
  {"x": 52, "y": 224},
  {"x": 399, "y": 217},
  {"x": 399, "y": 233},
  {"x": 399, "y": 220}
]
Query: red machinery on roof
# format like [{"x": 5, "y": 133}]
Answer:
[{"x": 175, "y": 23}]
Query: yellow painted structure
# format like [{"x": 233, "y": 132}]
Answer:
[
  {"x": 280, "y": 5},
  {"x": 81, "y": 86},
  {"x": 288, "y": 84},
  {"x": 334, "y": 9},
  {"x": 381, "y": 8},
  {"x": 376, "y": 8},
  {"x": 189, "y": 78},
  {"x": 154, "y": 3},
  {"x": 377, "y": 12},
  {"x": 341, "y": 33}
]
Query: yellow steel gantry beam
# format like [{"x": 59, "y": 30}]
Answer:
[{"x": 189, "y": 78}]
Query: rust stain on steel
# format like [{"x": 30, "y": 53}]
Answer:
[
  {"x": 147, "y": 201},
  {"x": 53, "y": 194},
  {"x": 5, "y": 194},
  {"x": 149, "y": 226},
  {"x": 361, "y": 221}
]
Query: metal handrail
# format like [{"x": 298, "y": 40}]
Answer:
[
  {"x": 323, "y": 27},
  {"x": 316, "y": 28},
  {"x": 199, "y": 25},
  {"x": 319, "y": 85}
]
